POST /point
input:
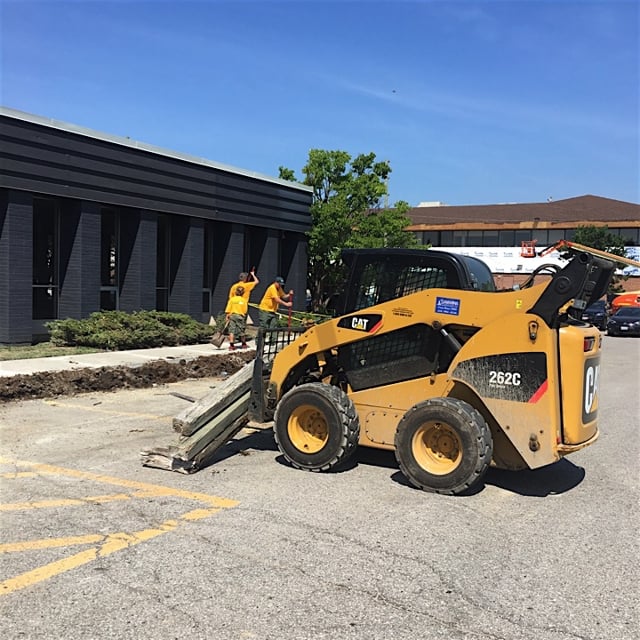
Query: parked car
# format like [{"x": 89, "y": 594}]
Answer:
[
  {"x": 596, "y": 314},
  {"x": 624, "y": 322}
]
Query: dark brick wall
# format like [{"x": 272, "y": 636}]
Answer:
[
  {"x": 79, "y": 259},
  {"x": 228, "y": 262},
  {"x": 270, "y": 264},
  {"x": 295, "y": 267},
  {"x": 187, "y": 245},
  {"x": 16, "y": 247},
  {"x": 235, "y": 248},
  {"x": 138, "y": 234}
]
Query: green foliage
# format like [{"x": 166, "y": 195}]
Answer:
[
  {"x": 220, "y": 322},
  {"x": 602, "y": 239},
  {"x": 117, "y": 330},
  {"x": 346, "y": 212},
  {"x": 286, "y": 174}
]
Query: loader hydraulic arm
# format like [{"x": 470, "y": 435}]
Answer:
[
  {"x": 584, "y": 280},
  {"x": 566, "y": 244}
]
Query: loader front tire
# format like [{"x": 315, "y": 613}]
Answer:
[
  {"x": 316, "y": 427},
  {"x": 443, "y": 445}
]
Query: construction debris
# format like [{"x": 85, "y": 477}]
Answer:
[{"x": 205, "y": 426}]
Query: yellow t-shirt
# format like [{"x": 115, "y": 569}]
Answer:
[
  {"x": 269, "y": 302},
  {"x": 248, "y": 288},
  {"x": 237, "y": 304}
]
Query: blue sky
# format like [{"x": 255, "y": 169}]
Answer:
[{"x": 471, "y": 102}]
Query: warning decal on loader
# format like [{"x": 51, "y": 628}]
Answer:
[{"x": 521, "y": 377}]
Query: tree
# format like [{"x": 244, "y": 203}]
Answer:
[
  {"x": 346, "y": 212},
  {"x": 602, "y": 239}
]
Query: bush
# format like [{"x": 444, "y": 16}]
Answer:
[{"x": 117, "y": 330}]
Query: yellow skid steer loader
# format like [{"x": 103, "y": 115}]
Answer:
[{"x": 427, "y": 359}]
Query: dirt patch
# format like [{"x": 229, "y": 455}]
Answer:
[{"x": 58, "y": 383}]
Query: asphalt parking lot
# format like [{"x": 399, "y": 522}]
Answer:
[{"x": 94, "y": 545}]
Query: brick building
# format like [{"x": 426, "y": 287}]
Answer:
[
  {"x": 90, "y": 221},
  {"x": 509, "y": 237}
]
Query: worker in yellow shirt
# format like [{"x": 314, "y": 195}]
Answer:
[
  {"x": 274, "y": 297},
  {"x": 246, "y": 280},
  {"x": 237, "y": 309}
]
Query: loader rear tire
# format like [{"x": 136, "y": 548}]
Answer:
[
  {"x": 316, "y": 427},
  {"x": 443, "y": 445}
]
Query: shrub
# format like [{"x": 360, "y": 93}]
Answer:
[{"x": 117, "y": 330}]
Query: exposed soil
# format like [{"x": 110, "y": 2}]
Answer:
[{"x": 57, "y": 383}]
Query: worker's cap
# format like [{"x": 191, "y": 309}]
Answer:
[{"x": 280, "y": 280}]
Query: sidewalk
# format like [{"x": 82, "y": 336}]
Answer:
[{"x": 133, "y": 358}]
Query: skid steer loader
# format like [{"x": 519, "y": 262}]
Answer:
[{"x": 427, "y": 359}]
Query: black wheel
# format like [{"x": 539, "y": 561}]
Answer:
[
  {"x": 443, "y": 445},
  {"x": 316, "y": 427}
]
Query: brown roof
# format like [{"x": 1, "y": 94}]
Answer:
[{"x": 571, "y": 211}]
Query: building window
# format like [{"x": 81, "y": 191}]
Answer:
[
  {"x": 522, "y": 235},
  {"x": 109, "y": 250},
  {"x": 555, "y": 235},
  {"x": 445, "y": 239},
  {"x": 426, "y": 237},
  {"x": 163, "y": 254},
  {"x": 474, "y": 238},
  {"x": 541, "y": 237},
  {"x": 507, "y": 238},
  {"x": 45, "y": 259},
  {"x": 459, "y": 238},
  {"x": 629, "y": 236},
  {"x": 491, "y": 238}
]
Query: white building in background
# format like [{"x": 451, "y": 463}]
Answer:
[
  {"x": 508, "y": 260},
  {"x": 510, "y": 237}
]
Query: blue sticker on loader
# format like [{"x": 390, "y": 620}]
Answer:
[{"x": 450, "y": 306}]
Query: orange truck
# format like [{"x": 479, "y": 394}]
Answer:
[{"x": 629, "y": 299}]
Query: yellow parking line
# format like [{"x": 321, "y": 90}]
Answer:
[
  {"x": 198, "y": 514},
  {"x": 150, "y": 490},
  {"x": 50, "y": 543},
  {"x": 18, "y": 474},
  {"x": 113, "y": 542},
  {"x": 47, "y": 571},
  {"x": 104, "y": 545},
  {"x": 62, "y": 502},
  {"x": 70, "y": 541}
]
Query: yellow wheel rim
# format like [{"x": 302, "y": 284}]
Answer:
[
  {"x": 308, "y": 429},
  {"x": 437, "y": 448}
]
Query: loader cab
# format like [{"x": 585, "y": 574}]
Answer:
[{"x": 379, "y": 275}]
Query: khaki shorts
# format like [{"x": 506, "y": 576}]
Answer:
[{"x": 237, "y": 324}]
